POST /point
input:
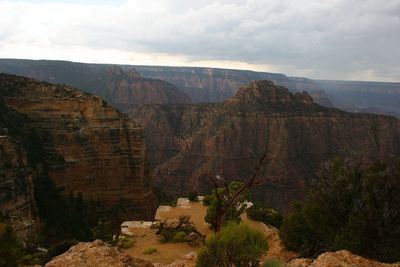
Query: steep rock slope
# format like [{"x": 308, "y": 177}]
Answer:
[
  {"x": 122, "y": 89},
  {"x": 89, "y": 147},
  {"x": 187, "y": 143},
  {"x": 16, "y": 188}
]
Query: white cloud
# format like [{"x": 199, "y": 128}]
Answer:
[{"x": 334, "y": 39}]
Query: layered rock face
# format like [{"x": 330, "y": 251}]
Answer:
[
  {"x": 123, "y": 89},
  {"x": 16, "y": 188},
  {"x": 90, "y": 147},
  {"x": 127, "y": 89},
  {"x": 187, "y": 143}
]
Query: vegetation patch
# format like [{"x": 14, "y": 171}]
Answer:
[
  {"x": 266, "y": 215},
  {"x": 180, "y": 230},
  {"x": 234, "y": 245},
  {"x": 352, "y": 208},
  {"x": 150, "y": 251},
  {"x": 125, "y": 242},
  {"x": 214, "y": 204},
  {"x": 193, "y": 196},
  {"x": 274, "y": 263}
]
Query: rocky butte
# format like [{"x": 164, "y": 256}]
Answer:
[
  {"x": 187, "y": 143},
  {"x": 89, "y": 148}
]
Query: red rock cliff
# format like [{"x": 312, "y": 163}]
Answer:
[
  {"x": 189, "y": 142},
  {"x": 90, "y": 147}
]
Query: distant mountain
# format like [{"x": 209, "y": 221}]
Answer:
[
  {"x": 187, "y": 143},
  {"x": 358, "y": 96},
  {"x": 123, "y": 89},
  {"x": 208, "y": 85}
]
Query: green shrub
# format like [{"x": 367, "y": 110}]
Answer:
[
  {"x": 193, "y": 197},
  {"x": 350, "y": 208},
  {"x": 234, "y": 212},
  {"x": 125, "y": 242},
  {"x": 208, "y": 199},
  {"x": 179, "y": 237},
  {"x": 235, "y": 244},
  {"x": 274, "y": 263},
  {"x": 38, "y": 258},
  {"x": 11, "y": 249},
  {"x": 266, "y": 215},
  {"x": 150, "y": 251},
  {"x": 172, "y": 231}
]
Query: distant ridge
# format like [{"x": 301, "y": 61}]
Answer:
[
  {"x": 123, "y": 89},
  {"x": 207, "y": 85}
]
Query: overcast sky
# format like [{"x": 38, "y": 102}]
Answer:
[{"x": 324, "y": 39}]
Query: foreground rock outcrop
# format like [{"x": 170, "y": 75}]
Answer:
[
  {"x": 187, "y": 143},
  {"x": 342, "y": 258},
  {"x": 95, "y": 254},
  {"x": 101, "y": 254},
  {"x": 88, "y": 147}
]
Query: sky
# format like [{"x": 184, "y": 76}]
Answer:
[{"x": 320, "y": 39}]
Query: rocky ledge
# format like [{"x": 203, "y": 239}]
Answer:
[{"x": 95, "y": 254}]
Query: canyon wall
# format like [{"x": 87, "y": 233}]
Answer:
[
  {"x": 187, "y": 143},
  {"x": 89, "y": 147}
]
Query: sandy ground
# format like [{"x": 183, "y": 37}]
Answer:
[{"x": 169, "y": 252}]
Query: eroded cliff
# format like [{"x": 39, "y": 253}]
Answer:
[
  {"x": 89, "y": 147},
  {"x": 187, "y": 143},
  {"x": 17, "y": 201}
]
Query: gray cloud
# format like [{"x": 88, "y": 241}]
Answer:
[{"x": 332, "y": 39}]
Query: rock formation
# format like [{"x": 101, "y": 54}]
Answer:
[
  {"x": 187, "y": 143},
  {"x": 216, "y": 85},
  {"x": 203, "y": 85},
  {"x": 95, "y": 254},
  {"x": 342, "y": 258},
  {"x": 122, "y": 89},
  {"x": 16, "y": 188},
  {"x": 89, "y": 147},
  {"x": 127, "y": 89},
  {"x": 101, "y": 254}
]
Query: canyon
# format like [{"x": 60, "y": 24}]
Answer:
[
  {"x": 127, "y": 86},
  {"x": 188, "y": 143}
]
